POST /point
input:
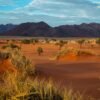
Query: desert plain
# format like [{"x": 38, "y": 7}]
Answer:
[{"x": 80, "y": 73}]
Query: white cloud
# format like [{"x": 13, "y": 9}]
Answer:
[
  {"x": 6, "y": 2},
  {"x": 54, "y": 12},
  {"x": 13, "y": 17},
  {"x": 35, "y": 3},
  {"x": 98, "y": 6}
]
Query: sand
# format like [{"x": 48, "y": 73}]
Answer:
[
  {"x": 82, "y": 74},
  {"x": 6, "y": 65}
]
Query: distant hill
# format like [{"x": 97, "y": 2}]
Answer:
[
  {"x": 42, "y": 29},
  {"x": 7, "y": 27}
]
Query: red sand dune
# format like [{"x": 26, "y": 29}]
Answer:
[{"x": 68, "y": 57}]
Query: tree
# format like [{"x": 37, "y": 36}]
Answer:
[
  {"x": 98, "y": 41},
  {"x": 40, "y": 50},
  {"x": 61, "y": 44},
  {"x": 80, "y": 42},
  {"x": 47, "y": 40}
]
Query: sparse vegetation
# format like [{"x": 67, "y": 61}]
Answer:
[
  {"x": 61, "y": 43},
  {"x": 25, "y": 41},
  {"x": 98, "y": 41},
  {"x": 76, "y": 52},
  {"x": 85, "y": 53},
  {"x": 20, "y": 61},
  {"x": 29, "y": 41},
  {"x": 13, "y": 46},
  {"x": 24, "y": 84},
  {"x": 80, "y": 42},
  {"x": 47, "y": 40},
  {"x": 40, "y": 50},
  {"x": 22, "y": 87}
]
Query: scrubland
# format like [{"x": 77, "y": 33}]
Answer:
[{"x": 50, "y": 69}]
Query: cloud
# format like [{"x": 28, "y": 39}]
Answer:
[
  {"x": 54, "y": 12},
  {"x": 6, "y": 2}
]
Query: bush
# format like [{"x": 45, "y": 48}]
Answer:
[
  {"x": 40, "y": 50},
  {"x": 47, "y": 40},
  {"x": 13, "y": 46},
  {"x": 98, "y": 41},
  {"x": 84, "y": 53},
  {"x": 61, "y": 43},
  {"x": 26, "y": 41},
  {"x": 18, "y": 60},
  {"x": 80, "y": 42},
  {"x": 75, "y": 52}
]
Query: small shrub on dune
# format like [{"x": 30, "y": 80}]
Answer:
[
  {"x": 80, "y": 42},
  {"x": 61, "y": 43},
  {"x": 85, "y": 53},
  {"x": 54, "y": 40},
  {"x": 36, "y": 40},
  {"x": 98, "y": 41},
  {"x": 25, "y": 41},
  {"x": 29, "y": 41},
  {"x": 7, "y": 41},
  {"x": 13, "y": 46},
  {"x": 47, "y": 40},
  {"x": 40, "y": 50},
  {"x": 75, "y": 52}
]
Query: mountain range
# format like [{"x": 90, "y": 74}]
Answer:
[{"x": 42, "y": 29}]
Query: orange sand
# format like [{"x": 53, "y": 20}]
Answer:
[
  {"x": 68, "y": 57},
  {"x": 80, "y": 73},
  {"x": 6, "y": 65}
]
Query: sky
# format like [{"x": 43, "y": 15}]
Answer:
[{"x": 53, "y": 12}]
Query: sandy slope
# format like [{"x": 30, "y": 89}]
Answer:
[
  {"x": 81, "y": 74},
  {"x": 6, "y": 65}
]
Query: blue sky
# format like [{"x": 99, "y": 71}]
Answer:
[{"x": 54, "y": 12}]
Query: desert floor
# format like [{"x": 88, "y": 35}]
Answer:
[{"x": 82, "y": 74}]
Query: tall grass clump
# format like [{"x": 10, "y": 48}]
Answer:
[
  {"x": 23, "y": 64},
  {"x": 17, "y": 89}
]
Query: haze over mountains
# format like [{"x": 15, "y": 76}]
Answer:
[{"x": 42, "y": 29}]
